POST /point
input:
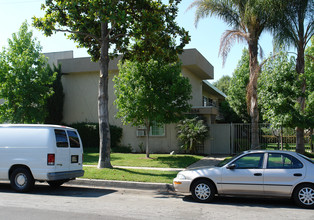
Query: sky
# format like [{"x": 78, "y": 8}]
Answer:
[{"x": 205, "y": 38}]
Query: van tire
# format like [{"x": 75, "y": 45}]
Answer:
[
  {"x": 56, "y": 183},
  {"x": 22, "y": 180}
]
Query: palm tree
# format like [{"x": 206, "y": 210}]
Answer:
[
  {"x": 294, "y": 27},
  {"x": 248, "y": 19}
]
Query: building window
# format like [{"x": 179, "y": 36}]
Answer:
[
  {"x": 155, "y": 130},
  {"x": 208, "y": 102},
  {"x": 204, "y": 101}
]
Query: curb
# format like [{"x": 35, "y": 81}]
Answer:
[{"x": 123, "y": 184}]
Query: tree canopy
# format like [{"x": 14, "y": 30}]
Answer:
[
  {"x": 294, "y": 26},
  {"x": 154, "y": 91},
  {"x": 237, "y": 90},
  {"x": 278, "y": 91},
  {"x": 139, "y": 30},
  {"x": 247, "y": 19},
  {"x": 223, "y": 84},
  {"x": 24, "y": 79}
]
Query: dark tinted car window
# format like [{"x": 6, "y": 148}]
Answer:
[
  {"x": 61, "y": 138},
  {"x": 282, "y": 161},
  {"x": 307, "y": 158},
  {"x": 74, "y": 140},
  {"x": 250, "y": 161}
]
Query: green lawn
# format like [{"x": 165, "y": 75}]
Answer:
[
  {"x": 152, "y": 176},
  {"x": 139, "y": 160}
]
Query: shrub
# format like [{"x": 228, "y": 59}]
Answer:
[
  {"x": 191, "y": 132},
  {"x": 122, "y": 149},
  {"x": 89, "y": 133}
]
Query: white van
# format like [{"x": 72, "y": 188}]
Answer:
[{"x": 30, "y": 153}]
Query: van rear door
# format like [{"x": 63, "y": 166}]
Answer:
[
  {"x": 76, "y": 150},
  {"x": 62, "y": 157}
]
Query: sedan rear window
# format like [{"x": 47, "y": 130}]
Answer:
[
  {"x": 282, "y": 161},
  {"x": 307, "y": 158}
]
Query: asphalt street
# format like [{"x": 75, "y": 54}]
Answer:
[{"x": 87, "y": 202}]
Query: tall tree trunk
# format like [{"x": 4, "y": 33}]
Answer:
[
  {"x": 103, "y": 114},
  {"x": 147, "y": 137},
  {"x": 301, "y": 100},
  {"x": 252, "y": 93}
]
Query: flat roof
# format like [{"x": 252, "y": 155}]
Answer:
[{"x": 191, "y": 59}]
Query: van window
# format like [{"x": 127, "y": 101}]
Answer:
[
  {"x": 74, "y": 140},
  {"x": 61, "y": 138}
]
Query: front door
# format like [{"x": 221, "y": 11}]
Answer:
[{"x": 244, "y": 176}]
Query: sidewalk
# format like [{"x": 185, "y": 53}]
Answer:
[{"x": 206, "y": 161}]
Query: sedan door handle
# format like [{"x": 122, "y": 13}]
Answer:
[
  {"x": 297, "y": 174},
  {"x": 257, "y": 174}
]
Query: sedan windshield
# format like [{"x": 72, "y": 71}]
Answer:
[{"x": 226, "y": 160}]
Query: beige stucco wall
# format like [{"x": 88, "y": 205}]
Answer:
[
  {"x": 80, "y": 105},
  {"x": 80, "y": 82},
  {"x": 196, "y": 83}
]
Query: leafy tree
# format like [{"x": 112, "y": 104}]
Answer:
[
  {"x": 192, "y": 131},
  {"x": 278, "y": 91},
  {"x": 229, "y": 115},
  {"x": 101, "y": 26},
  {"x": 295, "y": 27},
  {"x": 55, "y": 102},
  {"x": 223, "y": 84},
  {"x": 248, "y": 20},
  {"x": 237, "y": 89},
  {"x": 151, "y": 92},
  {"x": 24, "y": 79},
  {"x": 309, "y": 74}
]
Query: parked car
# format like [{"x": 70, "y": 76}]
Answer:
[
  {"x": 30, "y": 153},
  {"x": 260, "y": 173}
]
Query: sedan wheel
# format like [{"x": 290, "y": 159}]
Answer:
[
  {"x": 203, "y": 191},
  {"x": 304, "y": 196}
]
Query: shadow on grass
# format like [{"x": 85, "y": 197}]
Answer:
[
  {"x": 178, "y": 161},
  {"x": 162, "y": 174},
  {"x": 92, "y": 158}
]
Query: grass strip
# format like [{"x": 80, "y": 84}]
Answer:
[
  {"x": 152, "y": 176},
  {"x": 140, "y": 160}
]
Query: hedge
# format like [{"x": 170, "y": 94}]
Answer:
[{"x": 89, "y": 133}]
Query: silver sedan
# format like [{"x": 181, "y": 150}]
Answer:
[{"x": 255, "y": 173}]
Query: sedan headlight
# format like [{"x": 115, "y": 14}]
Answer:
[{"x": 181, "y": 176}]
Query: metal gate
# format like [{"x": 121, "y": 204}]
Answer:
[{"x": 231, "y": 138}]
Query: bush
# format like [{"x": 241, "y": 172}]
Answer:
[
  {"x": 116, "y": 135},
  {"x": 122, "y": 149},
  {"x": 89, "y": 133}
]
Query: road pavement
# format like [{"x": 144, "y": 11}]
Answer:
[{"x": 78, "y": 202}]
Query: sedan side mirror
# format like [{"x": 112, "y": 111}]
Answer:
[{"x": 231, "y": 166}]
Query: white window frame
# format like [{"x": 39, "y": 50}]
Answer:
[{"x": 141, "y": 131}]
